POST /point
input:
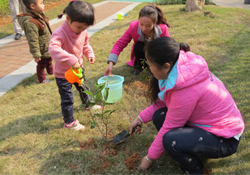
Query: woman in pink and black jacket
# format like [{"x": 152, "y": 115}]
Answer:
[
  {"x": 192, "y": 109},
  {"x": 151, "y": 25}
]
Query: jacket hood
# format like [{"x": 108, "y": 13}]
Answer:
[
  {"x": 22, "y": 18},
  {"x": 189, "y": 69}
]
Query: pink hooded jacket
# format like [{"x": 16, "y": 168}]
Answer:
[
  {"x": 196, "y": 97},
  {"x": 66, "y": 48},
  {"x": 134, "y": 32}
]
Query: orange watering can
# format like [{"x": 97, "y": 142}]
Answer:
[{"x": 74, "y": 76}]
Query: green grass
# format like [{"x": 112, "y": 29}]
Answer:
[{"x": 32, "y": 137}]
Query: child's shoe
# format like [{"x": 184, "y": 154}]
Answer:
[
  {"x": 75, "y": 126},
  {"x": 45, "y": 81}
]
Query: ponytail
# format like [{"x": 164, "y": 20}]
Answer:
[
  {"x": 153, "y": 89},
  {"x": 60, "y": 16},
  {"x": 161, "y": 18},
  {"x": 185, "y": 47}
]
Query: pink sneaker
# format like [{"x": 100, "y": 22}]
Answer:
[{"x": 75, "y": 126}]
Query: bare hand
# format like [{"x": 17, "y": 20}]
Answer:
[
  {"x": 76, "y": 65},
  {"x": 108, "y": 71},
  {"x": 91, "y": 60},
  {"x": 146, "y": 163},
  {"x": 37, "y": 60},
  {"x": 136, "y": 122}
]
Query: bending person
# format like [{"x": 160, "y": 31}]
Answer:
[
  {"x": 151, "y": 25},
  {"x": 192, "y": 110}
]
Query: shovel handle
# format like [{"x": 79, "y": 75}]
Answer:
[{"x": 135, "y": 129}]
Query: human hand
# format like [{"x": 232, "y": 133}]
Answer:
[
  {"x": 37, "y": 59},
  {"x": 146, "y": 163},
  {"x": 108, "y": 71},
  {"x": 91, "y": 60},
  {"x": 136, "y": 122},
  {"x": 76, "y": 65}
]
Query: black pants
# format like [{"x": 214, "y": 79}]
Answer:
[
  {"x": 140, "y": 59},
  {"x": 185, "y": 144},
  {"x": 67, "y": 97}
]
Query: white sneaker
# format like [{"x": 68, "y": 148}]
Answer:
[{"x": 75, "y": 126}]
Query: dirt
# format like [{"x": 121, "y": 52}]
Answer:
[
  {"x": 89, "y": 144},
  {"x": 132, "y": 162},
  {"x": 4, "y": 20},
  {"x": 137, "y": 88}
]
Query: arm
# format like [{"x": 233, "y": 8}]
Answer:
[
  {"x": 120, "y": 45},
  {"x": 147, "y": 114},
  {"x": 32, "y": 35},
  {"x": 180, "y": 108},
  {"x": 59, "y": 54}
]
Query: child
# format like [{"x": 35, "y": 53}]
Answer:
[
  {"x": 67, "y": 45},
  {"x": 151, "y": 25},
  {"x": 37, "y": 30},
  {"x": 192, "y": 109}
]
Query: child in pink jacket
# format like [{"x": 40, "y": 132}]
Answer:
[
  {"x": 67, "y": 46},
  {"x": 192, "y": 109},
  {"x": 151, "y": 25}
]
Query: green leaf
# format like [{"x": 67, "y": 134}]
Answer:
[
  {"x": 82, "y": 105},
  {"x": 109, "y": 111},
  {"x": 93, "y": 124},
  {"x": 96, "y": 95},
  {"x": 91, "y": 103},
  {"x": 106, "y": 93},
  {"x": 88, "y": 92},
  {"x": 97, "y": 115},
  {"x": 99, "y": 86}
]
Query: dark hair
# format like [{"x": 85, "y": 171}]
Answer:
[
  {"x": 160, "y": 51},
  {"x": 154, "y": 13},
  {"x": 80, "y": 11},
  {"x": 27, "y": 3}
]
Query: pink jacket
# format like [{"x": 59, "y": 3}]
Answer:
[
  {"x": 134, "y": 32},
  {"x": 196, "y": 97},
  {"x": 66, "y": 48}
]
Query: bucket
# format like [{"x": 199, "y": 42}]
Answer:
[
  {"x": 74, "y": 76},
  {"x": 114, "y": 83}
]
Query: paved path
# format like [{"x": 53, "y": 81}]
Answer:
[
  {"x": 16, "y": 62},
  {"x": 232, "y": 3}
]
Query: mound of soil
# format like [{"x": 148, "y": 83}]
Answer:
[
  {"x": 133, "y": 161},
  {"x": 90, "y": 144}
]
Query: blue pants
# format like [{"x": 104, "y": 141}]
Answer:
[
  {"x": 67, "y": 98},
  {"x": 185, "y": 144}
]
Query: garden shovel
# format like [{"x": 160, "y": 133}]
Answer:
[{"x": 122, "y": 136}]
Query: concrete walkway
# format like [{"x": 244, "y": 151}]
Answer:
[
  {"x": 232, "y": 3},
  {"x": 16, "y": 62}
]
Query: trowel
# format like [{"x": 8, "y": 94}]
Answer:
[{"x": 122, "y": 136}]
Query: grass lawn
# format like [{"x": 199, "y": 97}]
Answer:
[{"x": 32, "y": 137}]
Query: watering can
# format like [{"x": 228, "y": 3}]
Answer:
[{"x": 74, "y": 76}]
